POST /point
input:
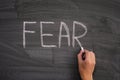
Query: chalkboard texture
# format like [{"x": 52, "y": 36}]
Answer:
[{"x": 40, "y": 39}]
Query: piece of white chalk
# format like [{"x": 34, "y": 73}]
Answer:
[{"x": 82, "y": 49}]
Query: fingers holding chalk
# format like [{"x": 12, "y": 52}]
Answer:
[{"x": 86, "y": 54}]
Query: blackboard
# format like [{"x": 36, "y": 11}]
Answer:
[{"x": 25, "y": 56}]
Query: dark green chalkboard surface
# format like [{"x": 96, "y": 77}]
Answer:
[{"x": 40, "y": 39}]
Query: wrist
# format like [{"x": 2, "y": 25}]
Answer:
[{"x": 87, "y": 78}]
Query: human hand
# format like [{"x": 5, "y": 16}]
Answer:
[{"x": 86, "y": 67}]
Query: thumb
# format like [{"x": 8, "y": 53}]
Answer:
[{"x": 80, "y": 56}]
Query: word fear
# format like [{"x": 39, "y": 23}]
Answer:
[{"x": 62, "y": 26}]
